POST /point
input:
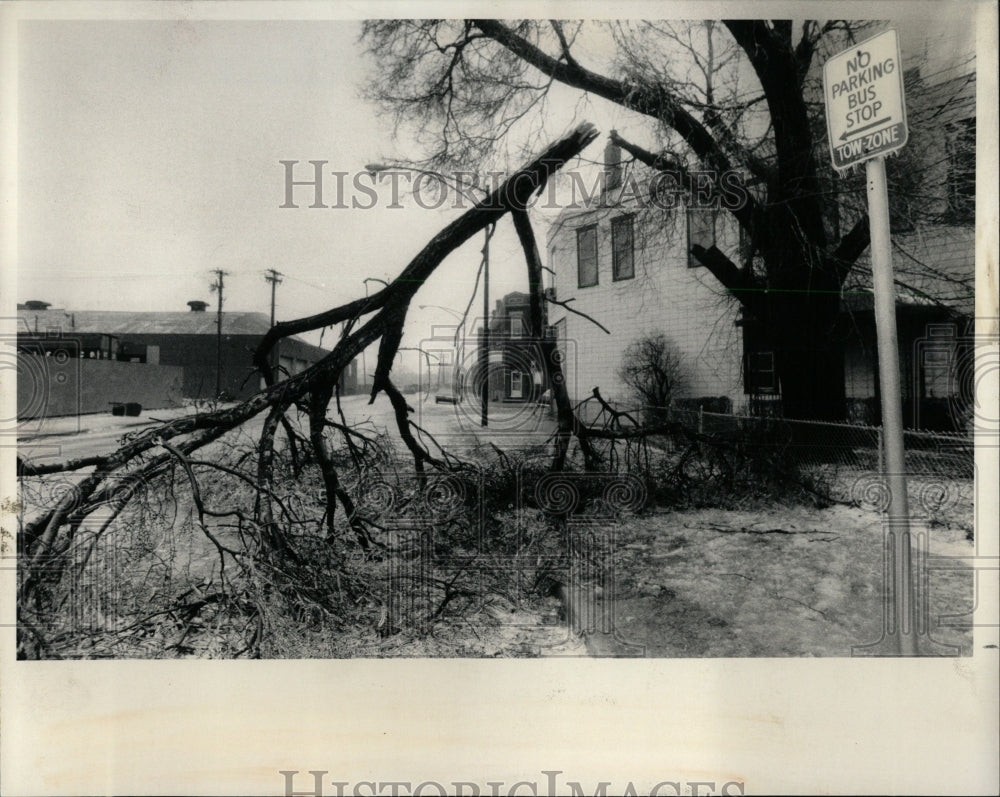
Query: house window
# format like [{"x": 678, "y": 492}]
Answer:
[
  {"x": 758, "y": 372},
  {"x": 937, "y": 381},
  {"x": 586, "y": 256},
  {"x": 962, "y": 172},
  {"x": 516, "y": 324},
  {"x": 701, "y": 232},
  {"x": 622, "y": 249}
]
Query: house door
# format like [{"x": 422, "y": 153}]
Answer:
[{"x": 515, "y": 385}]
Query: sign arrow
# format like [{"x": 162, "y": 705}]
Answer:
[{"x": 844, "y": 135}]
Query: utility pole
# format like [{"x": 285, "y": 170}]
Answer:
[
  {"x": 272, "y": 277},
  {"x": 903, "y": 626},
  {"x": 485, "y": 356},
  {"x": 217, "y": 286}
]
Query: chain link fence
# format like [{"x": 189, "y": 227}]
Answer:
[
  {"x": 843, "y": 461},
  {"x": 848, "y": 459},
  {"x": 940, "y": 454}
]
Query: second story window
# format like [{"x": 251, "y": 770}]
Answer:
[
  {"x": 586, "y": 256},
  {"x": 701, "y": 232},
  {"x": 516, "y": 324},
  {"x": 622, "y": 249}
]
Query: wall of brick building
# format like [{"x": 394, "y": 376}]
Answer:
[
  {"x": 197, "y": 355},
  {"x": 55, "y": 386},
  {"x": 686, "y": 304}
]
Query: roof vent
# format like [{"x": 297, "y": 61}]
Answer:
[
  {"x": 197, "y": 306},
  {"x": 35, "y": 304}
]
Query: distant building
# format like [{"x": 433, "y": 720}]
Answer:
[
  {"x": 183, "y": 340},
  {"x": 515, "y": 373}
]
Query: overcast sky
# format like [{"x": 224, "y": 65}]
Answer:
[
  {"x": 149, "y": 151},
  {"x": 149, "y": 154}
]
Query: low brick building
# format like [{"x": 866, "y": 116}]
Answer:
[{"x": 188, "y": 341}]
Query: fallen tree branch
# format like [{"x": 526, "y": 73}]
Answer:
[
  {"x": 565, "y": 305},
  {"x": 199, "y": 505},
  {"x": 379, "y": 317}
]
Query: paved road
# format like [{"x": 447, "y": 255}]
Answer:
[
  {"x": 458, "y": 427},
  {"x": 455, "y": 426}
]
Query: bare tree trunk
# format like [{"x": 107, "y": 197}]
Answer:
[
  {"x": 801, "y": 320},
  {"x": 568, "y": 424}
]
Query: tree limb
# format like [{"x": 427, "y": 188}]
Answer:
[
  {"x": 851, "y": 247},
  {"x": 659, "y": 105},
  {"x": 565, "y": 305},
  {"x": 664, "y": 164},
  {"x": 568, "y": 423},
  {"x": 737, "y": 281}
]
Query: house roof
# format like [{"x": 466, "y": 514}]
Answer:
[
  {"x": 934, "y": 266},
  {"x": 124, "y": 322}
]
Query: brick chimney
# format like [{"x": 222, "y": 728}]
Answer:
[{"x": 612, "y": 164}]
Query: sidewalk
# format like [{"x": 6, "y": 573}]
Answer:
[{"x": 40, "y": 428}]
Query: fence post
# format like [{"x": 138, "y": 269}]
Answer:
[
  {"x": 881, "y": 454},
  {"x": 701, "y": 419}
]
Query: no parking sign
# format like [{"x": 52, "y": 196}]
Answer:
[{"x": 865, "y": 107}]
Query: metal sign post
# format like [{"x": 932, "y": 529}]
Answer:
[
  {"x": 902, "y": 629},
  {"x": 866, "y": 120}
]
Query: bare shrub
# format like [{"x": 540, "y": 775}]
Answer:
[{"x": 652, "y": 367}]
